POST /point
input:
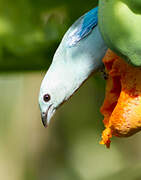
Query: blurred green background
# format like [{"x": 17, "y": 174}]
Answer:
[{"x": 30, "y": 31}]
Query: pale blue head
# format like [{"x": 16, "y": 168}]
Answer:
[{"x": 55, "y": 88}]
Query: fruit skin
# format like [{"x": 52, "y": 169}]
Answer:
[{"x": 120, "y": 25}]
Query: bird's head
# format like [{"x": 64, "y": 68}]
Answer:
[
  {"x": 53, "y": 92},
  {"x": 62, "y": 79}
]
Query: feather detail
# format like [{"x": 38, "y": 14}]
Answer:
[{"x": 82, "y": 27}]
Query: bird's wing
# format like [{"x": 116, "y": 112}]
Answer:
[{"x": 82, "y": 27}]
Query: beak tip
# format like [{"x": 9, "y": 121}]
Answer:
[
  {"x": 44, "y": 121},
  {"x": 46, "y": 126}
]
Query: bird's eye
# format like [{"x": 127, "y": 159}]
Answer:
[{"x": 46, "y": 97}]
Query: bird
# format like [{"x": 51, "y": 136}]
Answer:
[
  {"x": 120, "y": 26},
  {"x": 78, "y": 56}
]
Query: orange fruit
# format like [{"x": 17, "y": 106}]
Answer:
[{"x": 122, "y": 104}]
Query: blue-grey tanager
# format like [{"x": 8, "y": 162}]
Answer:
[{"x": 79, "y": 55}]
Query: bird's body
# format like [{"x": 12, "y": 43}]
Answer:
[{"x": 79, "y": 54}]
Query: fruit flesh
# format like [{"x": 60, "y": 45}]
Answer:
[{"x": 122, "y": 104}]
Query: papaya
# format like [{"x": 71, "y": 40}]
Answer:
[
  {"x": 120, "y": 25},
  {"x": 122, "y": 105}
]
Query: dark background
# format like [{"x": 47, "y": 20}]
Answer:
[{"x": 30, "y": 31}]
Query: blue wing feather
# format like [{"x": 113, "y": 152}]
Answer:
[{"x": 82, "y": 27}]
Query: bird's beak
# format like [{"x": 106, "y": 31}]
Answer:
[
  {"x": 46, "y": 116},
  {"x": 44, "y": 119}
]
